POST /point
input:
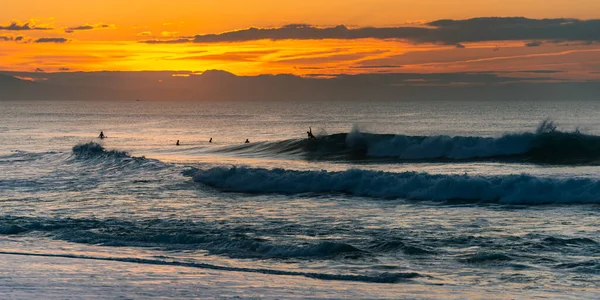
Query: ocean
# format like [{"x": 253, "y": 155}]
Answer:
[{"x": 404, "y": 199}]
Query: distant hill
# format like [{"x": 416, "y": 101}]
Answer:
[{"x": 15, "y": 88}]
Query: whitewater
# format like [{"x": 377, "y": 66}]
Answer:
[{"x": 425, "y": 200}]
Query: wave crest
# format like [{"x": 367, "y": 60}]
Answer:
[{"x": 92, "y": 150}]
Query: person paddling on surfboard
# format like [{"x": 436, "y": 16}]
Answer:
[
  {"x": 101, "y": 136},
  {"x": 310, "y": 134}
]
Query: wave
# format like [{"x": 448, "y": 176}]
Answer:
[
  {"x": 586, "y": 266},
  {"x": 556, "y": 241},
  {"x": 176, "y": 235},
  {"x": 485, "y": 258},
  {"x": 83, "y": 150},
  {"x": 277, "y": 243},
  {"x": 94, "y": 150},
  {"x": 375, "y": 278},
  {"x": 507, "y": 189},
  {"x": 544, "y": 146},
  {"x": 95, "y": 153},
  {"x": 396, "y": 245},
  {"x": 22, "y": 156}
]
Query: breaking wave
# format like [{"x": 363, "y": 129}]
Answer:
[
  {"x": 544, "y": 146},
  {"x": 94, "y": 150},
  {"x": 96, "y": 154},
  {"x": 507, "y": 189}
]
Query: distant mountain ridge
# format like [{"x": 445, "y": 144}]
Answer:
[{"x": 223, "y": 85}]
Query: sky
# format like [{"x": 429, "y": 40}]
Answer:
[{"x": 309, "y": 38}]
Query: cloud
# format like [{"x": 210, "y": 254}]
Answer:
[
  {"x": 331, "y": 58},
  {"x": 64, "y": 69},
  {"x": 450, "y": 32},
  {"x": 177, "y": 41},
  {"x": 375, "y": 67},
  {"x": 310, "y": 68},
  {"x": 231, "y": 56},
  {"x": 541, "y": 71},
  {"x": 88, "y": 27},
  {"x": 16, "y": 26},
  {"x": 145, "y": 33},
  {"x": 51, "y": 40},
  {"x": 84, "y": 27},
  {"x": 169, "y": 33},
  {"x": 8, "y": 38},
  {"x": 533, "y": 44}
]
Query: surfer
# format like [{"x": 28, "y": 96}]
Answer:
[
  {"x": 101, "y": 136},
  {"x": 177, "y": 144},
  {"x": 210, "y": 141},
  {"x": 247, "y": 141},
  {"x": 310, "y": 134}
]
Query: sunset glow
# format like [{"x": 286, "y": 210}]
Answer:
[
  {"x": 300, "y": 149},
  {"x": 149, "y": 35}
]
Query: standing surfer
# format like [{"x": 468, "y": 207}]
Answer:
[{"x": 310, "y": 134}]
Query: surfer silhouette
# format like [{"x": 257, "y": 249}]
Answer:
[
  {"x": 310, "y": 134},
  {"x": 101, "y": 136},
  {"x": 177, "y": 144},
  {"x": 247, "y": 141},
  {"x": 210, "y": 141}
]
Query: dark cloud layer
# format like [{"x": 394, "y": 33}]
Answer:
[
  {"x": 6, "y": 38},
  {"x": 51, "y": 40},
  {"x": 85, "y": 27},
  {"x": 14, "y": 26},
  {"x": 451, "y": 32}
]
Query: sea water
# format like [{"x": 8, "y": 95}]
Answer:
[{"x": 405, "y": 199}]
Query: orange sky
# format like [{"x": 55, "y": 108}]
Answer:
[{"x": 119, "y": 26}]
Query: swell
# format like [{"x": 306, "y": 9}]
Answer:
[
  {"x": 545, "y": 146},
  {"x": 507, "y": 189}
]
